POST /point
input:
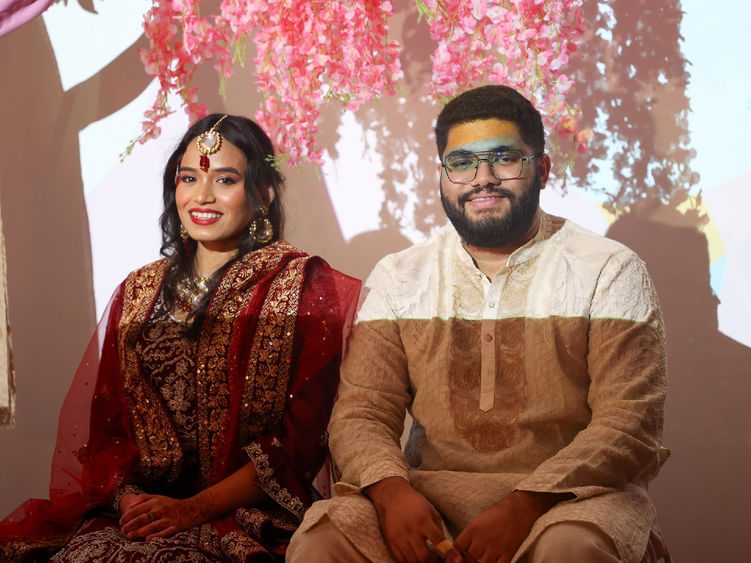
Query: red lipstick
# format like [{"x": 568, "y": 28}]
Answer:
[{"x": 204, "y": 216}]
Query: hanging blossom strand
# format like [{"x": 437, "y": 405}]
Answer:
[
  {"x": 308, "y": 52},
  {"x": 522, "y": 43},
  {"x": 312, "y": 51},
  {"x": 179, "y": 42}
]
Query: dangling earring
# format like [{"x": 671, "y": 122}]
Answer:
[
  {"x": 266, "y": 232},
  {"x": 184, "y": 234}
]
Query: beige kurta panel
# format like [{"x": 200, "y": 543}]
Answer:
[{"x": 549, "y": 378}]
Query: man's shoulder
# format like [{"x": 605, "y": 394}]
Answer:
[
  {"x": 424, "y": 251},
  {"x": 573, "y": 239},
  {"x": 421, "y": 253}
]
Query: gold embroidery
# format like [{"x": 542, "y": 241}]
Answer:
[
  {"x": 220, "y": 344},
  {"x": 121, "y": 492},
  {"x": 100, "y": 539},
  {"x": 271, "y": 354},
  {"x": 19, "y": 549},
  {"x": 269, "y": 484},
  {"x": 161, "y": 457}
]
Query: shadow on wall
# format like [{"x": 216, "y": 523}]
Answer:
[
  {"x": 632, "y": 78},
  {"x": 404, "y": 125},
  {"x": 48, "y": 247},
  {"x": 703, "y": 493}
]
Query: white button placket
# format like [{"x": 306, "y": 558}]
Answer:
[{"x": 488, "y": 347}]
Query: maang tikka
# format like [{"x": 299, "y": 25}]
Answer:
[{"x": 209, "y": 143}]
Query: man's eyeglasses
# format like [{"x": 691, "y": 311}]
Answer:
[{"x": 504, "y": 165}]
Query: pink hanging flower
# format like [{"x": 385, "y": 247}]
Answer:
[
  {"x": 313, "y": 51},
  {"x": 308, "y": 52},
  {"x": 524, "y": 44}
]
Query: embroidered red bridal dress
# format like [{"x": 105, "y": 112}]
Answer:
[{"x": 154, "y": 411}]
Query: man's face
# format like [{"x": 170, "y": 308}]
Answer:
[{"x": 488, "y": 212}]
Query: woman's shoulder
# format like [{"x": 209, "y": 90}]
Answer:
[
  {"x": 150, "y": 274},
  {"x": 150, "y": 269},
  {"x": 278, "y": 255},
  {"x": 287, "y": 257}
]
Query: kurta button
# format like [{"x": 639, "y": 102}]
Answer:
[
  {"x": 488, "y": 337},
  {"x": 491, "y": 304}
]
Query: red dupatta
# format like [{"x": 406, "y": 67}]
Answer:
[{"x": 267, "y": 372}]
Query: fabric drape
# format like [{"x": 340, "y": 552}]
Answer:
[{"x": 266, "y": 362}]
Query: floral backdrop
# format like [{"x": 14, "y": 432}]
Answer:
[{"x": 310, "y": 52}]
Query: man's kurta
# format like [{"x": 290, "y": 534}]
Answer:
[{"x": 550, "y": 378}]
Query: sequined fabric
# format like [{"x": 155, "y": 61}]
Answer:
[{"x": 172, "y": 416}]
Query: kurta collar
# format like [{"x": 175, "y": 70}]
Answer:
[{"x": 524, "y": 253}]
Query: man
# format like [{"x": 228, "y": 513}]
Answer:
[{"x": 530, "y": 353}]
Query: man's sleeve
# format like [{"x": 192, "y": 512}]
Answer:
[
  {"x": 368, "y": 417},
  {"x": 626, "y": 365}
]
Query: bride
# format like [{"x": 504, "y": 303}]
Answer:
[{"x": 196, "y": 422}]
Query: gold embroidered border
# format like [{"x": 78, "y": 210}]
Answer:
[
  {"x": 161, "y": 456},
  {"x": 267, "y": 378},
  {"x": 212, "y": 384},
  {"x": 272, "y": 487},
  {"x": 19, "y": 549}
]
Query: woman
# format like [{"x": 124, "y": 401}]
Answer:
[{"x": 196, "y": 422}]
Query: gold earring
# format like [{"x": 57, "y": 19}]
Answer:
[
  {"x": 266, "y": 232},
  {"x": 184, "y": 234}
]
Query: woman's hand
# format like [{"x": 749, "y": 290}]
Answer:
[
  {"x": 157, "y": 516},
  {"x": 126, "y": 501}
]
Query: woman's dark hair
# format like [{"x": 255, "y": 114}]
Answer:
[{"x": 260, "y": 174}]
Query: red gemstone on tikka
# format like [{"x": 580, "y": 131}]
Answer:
[{"x": 204, "y": 163}]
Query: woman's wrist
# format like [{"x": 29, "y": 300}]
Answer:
[
  {"x": 200, "y": 508},
  {"x": 126, "y": 501},
  {"x": 129, "y": 492}
]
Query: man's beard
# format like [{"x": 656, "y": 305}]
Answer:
[{"x": 494, "y": 231}]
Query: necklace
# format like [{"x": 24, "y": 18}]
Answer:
[{"x": 189, "y": 292}]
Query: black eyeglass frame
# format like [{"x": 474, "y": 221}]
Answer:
[{"x": 478, "y": 159}]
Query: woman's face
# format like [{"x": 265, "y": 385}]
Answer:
[{"x": 212, "y": 205}]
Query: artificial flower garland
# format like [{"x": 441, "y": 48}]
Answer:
[
  {"x": 524, "y": 44},
  {"x": 311, "y": 51}
]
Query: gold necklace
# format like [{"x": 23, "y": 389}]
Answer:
[{"x": 190, "y": 290}]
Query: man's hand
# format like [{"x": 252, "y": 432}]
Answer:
[
  {"x": 156, "y": 516},
  {"x": 496, "y": 534},
  {"x": 407, "y": 519}
]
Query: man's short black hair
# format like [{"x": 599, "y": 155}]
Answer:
[{"x": 492, "y": 102}]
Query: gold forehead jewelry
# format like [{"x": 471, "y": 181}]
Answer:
[{"x": 209, "y": 143}]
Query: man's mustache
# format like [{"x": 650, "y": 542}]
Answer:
[{"x": 464, "y": 198}]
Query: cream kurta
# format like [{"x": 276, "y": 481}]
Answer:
[{"x": 549, "y": 378}]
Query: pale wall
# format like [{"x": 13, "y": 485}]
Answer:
[{"x": 703, "y": 495}]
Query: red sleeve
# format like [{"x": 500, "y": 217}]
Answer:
[{"x": 288, "y": 459}]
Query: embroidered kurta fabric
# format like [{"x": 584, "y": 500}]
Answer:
[
  {"x": 550, "y": 377},
  {"x": 172, "y": 416}
]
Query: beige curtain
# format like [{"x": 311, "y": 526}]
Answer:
[{"x": 7, "y": 378}]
